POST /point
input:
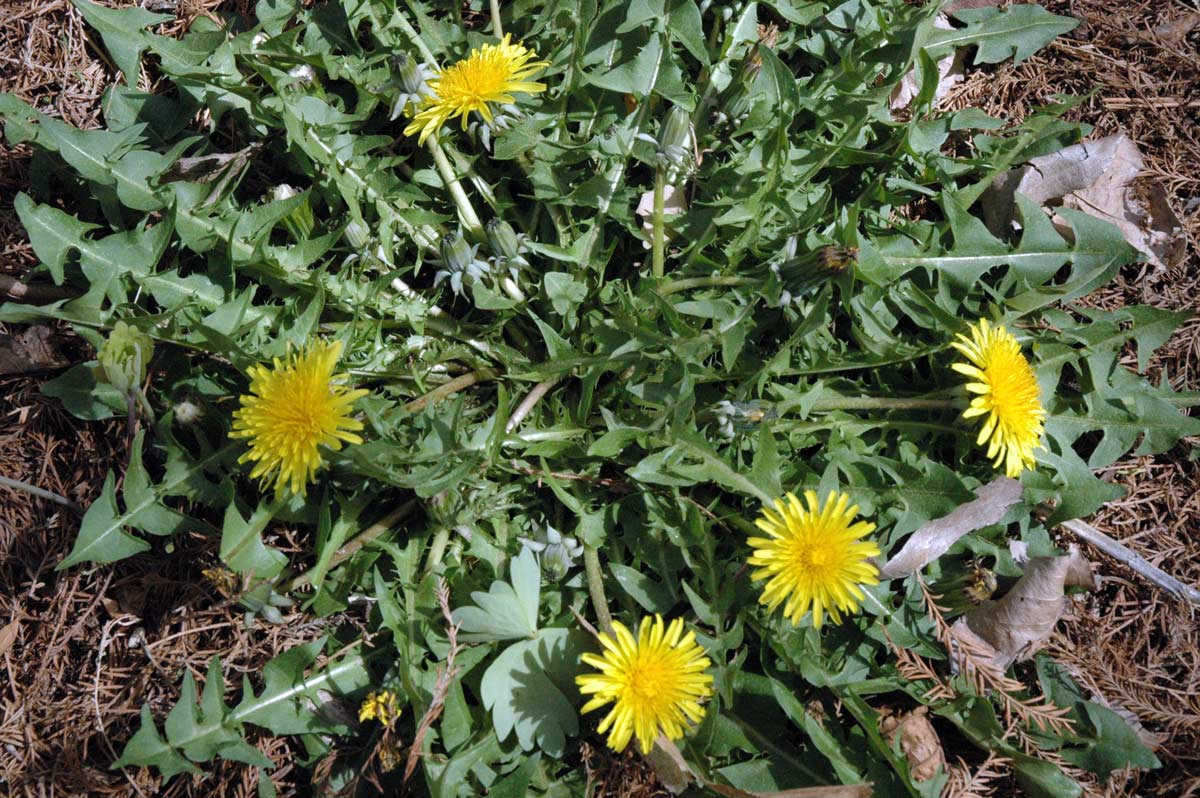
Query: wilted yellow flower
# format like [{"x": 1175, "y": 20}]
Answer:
[
  {"x": 1008, "y": 395},
  {"x": 490, "y": 74},
  {"x": 382, "y": 706},
  {"x": 654, "y": 681},
  {"x": 814, "y": 558},
  {"x": 292, "y": 410}
]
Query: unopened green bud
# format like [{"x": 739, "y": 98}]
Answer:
[
  {"x": 676, "y": 150},
  {"x": 508, "y": 248},
  {"x": 411, "y": 82},
  {"x": 412, "y": 77},
  {"x": 299, "y": 221},
  {"x": 358, "y": 234},
  {"x": 457, "y": 253},
  {"x": 124, "y": 356}
]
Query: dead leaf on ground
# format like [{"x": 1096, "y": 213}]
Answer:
[
  {"x": 8, "y": 635},
  {"x": 918, "y": 740},
  {"x": 932, "y": 540},
  {"x": 33, "y": 350},
  {"x": 1174, "y": 32},
  {"x": 1016, "y": 626},
  {"x": 1094, "y": 177},
  {"x": 950, "y": 74}
]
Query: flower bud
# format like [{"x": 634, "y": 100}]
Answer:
[
  {"x": 124, "y": 356},
  {"x": 299, "y": 221},
  {"x": 676, "y": 150},
  {"x": 358, "y": 234},
  {"x": 457, "y": 253},
  {"x": 412, "y": 83}
]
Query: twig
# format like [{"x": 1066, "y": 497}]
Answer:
[
  {"x": 41, "y": 493},
  {"x": 531, "y": 399},
  {"x": 366, "y": 536},
  {"x": 33, "y": 292},
  {"x": 446, "y": 675},
  {"x": 1135, "y": 562},
  {"x": 455, "y": 385}
]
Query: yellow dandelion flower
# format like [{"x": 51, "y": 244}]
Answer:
[
  {"x": 814, "y": 558},
  {"x": 1007, "y": 394},
  {"x": 490, "y": 74},
  {"x": 655, "y": 682},
  {"x": 382, "y": 706},
  {"x": 292, "y": 410}
]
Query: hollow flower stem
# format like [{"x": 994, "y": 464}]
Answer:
[
  {"x": 658, "y": 236},
  {"x": 470, "y": 219},
  {"x": 595, "y": 580}
]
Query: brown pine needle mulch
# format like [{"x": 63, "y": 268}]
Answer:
[{"x": 81, "y": 650}]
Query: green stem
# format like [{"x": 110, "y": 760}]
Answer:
[
  {"x": 659, "y": 237},
  {"x": 497, "y": 25},
  {"x": 470, "y": 219},
  {"x": 716, "y": 281},
  {"x": 595, "y": 580},
  {"x": 411, "y": 32},
  {"x": 437, "y": 549},
  {"x": 881, "y": 403}
]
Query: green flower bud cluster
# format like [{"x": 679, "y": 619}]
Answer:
[{"x": 123, "y": 358}]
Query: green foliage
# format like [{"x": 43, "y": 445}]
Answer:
[
  {"x": 197, "y": 732},
  {"x": 827, "y": 254}
]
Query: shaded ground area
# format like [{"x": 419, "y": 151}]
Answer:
[{"x": 80, "y": 651}]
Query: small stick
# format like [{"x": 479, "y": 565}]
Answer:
[
  {"x": 1138, "y": 564},
  {"x": 456, "y": 384},
  {"x": 535, "y": 395},
  {"x": 41, "y": 493}
]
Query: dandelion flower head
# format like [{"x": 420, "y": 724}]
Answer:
[
  {"x": 1006, "y": 394},
  {"x": 294, "y": 408},
  {"x": 382, "y": 706},
  {"x": 654, "y": 681},
  {"x": 491, "y": 74},
  {"x": 814, "y": 557}
]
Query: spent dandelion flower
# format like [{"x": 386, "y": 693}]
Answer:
[
  {"x": 293, "y": 409},
  {"x": 382, "y": 705},
  {"x": 654, "y": 681},
  {"x": 488, "y": 77},
  {"x": 1007, "y": 395},
  {"x": 814, "y": 557}
]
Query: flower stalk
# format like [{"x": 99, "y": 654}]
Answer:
[
  {"x": 466, "y": 211},
  {"x": 595, "y": 581},
  {"x": 658, "y": 237}
]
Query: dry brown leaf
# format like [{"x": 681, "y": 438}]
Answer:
[
  {"x": 1174, "y": 32},
  {"x": 1017, "y": 625},
  {"x": 669, "y": 765},
  {"x": 31, "y": 351},
  {"x": 8, "y": 635},
  {"x": 918, "y": 740},
  {"x": 932, "y": 540},
  {"x": 950, "y": 74},
  {"x": 1094, "y": 177}
]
